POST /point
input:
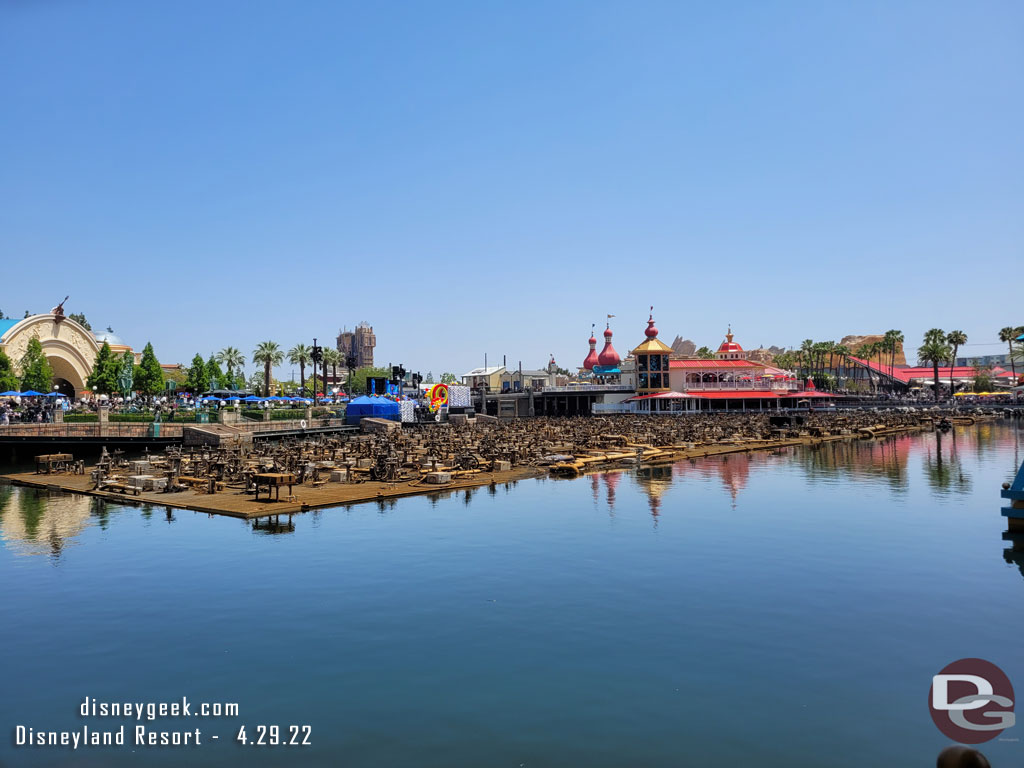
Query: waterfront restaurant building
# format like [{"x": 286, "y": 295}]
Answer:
[{"x": 728, "y": 382}]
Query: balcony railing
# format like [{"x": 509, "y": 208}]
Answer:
[{"x": 760, "y": 384}]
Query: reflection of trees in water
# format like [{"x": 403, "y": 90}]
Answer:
[
  {"x": 945, "y": 473},
  {"x": 38, "y": 522},
  {"x": 31, "y": 505},
  {"x": 99, "y": 509},
  {"x": 6, "y": 494},
  {"x": 884, "y": 459}
]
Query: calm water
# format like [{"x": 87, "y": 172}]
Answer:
[{"x": 771, "y": 610}]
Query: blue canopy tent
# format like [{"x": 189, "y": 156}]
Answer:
[
  {"x": 372, "y": 406},
  {"x": 10, "y": 393},
  {"x": 252, "y": 399},
  {"x": 32, "y": 393}
]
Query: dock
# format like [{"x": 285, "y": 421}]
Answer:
[{"x": 240, "y": 502}]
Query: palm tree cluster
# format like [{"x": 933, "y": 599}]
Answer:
[
  {"x": 935, "y": 349},
  {"x": 1008, "y": 335},
  {"x": 816, "y": 359}
]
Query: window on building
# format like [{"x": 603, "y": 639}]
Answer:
[{"x": 643, "y": 382}]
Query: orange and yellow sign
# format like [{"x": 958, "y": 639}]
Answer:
[{"x": 438, "y": 396}]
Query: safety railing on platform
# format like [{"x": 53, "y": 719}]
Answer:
[{"x": 112, "y": 429}]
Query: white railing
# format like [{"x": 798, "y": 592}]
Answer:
[
  {"x": 589, "y": 388},
  {"x": 612, "y": 408},
  {"x": 774, "y": 386}
]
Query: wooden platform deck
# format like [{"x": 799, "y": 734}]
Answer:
[{"x": 235, "y": 503}]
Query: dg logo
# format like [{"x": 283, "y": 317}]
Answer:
[{"x": 971, "y": 701}]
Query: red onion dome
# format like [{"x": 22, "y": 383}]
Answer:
[
  {"x": 651, "y": 332},
  {"x": 608, "y": 357}
]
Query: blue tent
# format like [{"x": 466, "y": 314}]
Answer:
[
  {"x": 10, "y": 393},
  {"x": 32, "y": 393},
  {"x": 252, "y": 399},
  {"x": 371, "y": 405}
]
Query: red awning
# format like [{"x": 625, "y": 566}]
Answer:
[
  {"x": 808, "y": 394},
  {"x": 662, "y": 396}
]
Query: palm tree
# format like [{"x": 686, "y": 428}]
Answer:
[
  {"x": 806, "y": 353},
  {"x": 843, "y": 353},
  {"x": 895, "y": 341},
  {"x": 866, "y": 352},
  {"x": 300, "y": 355},
  {"x": 934, "y": 350},
  {"x": 332, "y": 357},
  {"x": 1009, "y": 335},
  {"x": 231, "y": 359},
  {"x": 270, "y": 354},
  {"x": 956, "y": 339}
]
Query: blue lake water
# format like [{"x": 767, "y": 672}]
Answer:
[{"x": 782, "y": 609}]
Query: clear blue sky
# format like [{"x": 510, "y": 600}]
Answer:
[{"x": 492, "y": 177}]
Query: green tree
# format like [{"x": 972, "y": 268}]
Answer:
[
  {"x": 79, "y": 317},
  {"x": 357, "y": 381},
  {"x": 843, "y": 353},
  {"x": 449, "y": 378},
  {"x": 2, "y": 315},
  {"x": 332, "y": 358},
  {"x": 256, "y": 381},
  {"x": 983, "y": 381},
  {"x": 269, "y": 354},
  {"x": 895, "y": 344},
  {"x": 197, "y": 381},
  {"x": 35, "y": 368},
  {"x": 705, "y": 353},
  {"x": 955, "y": 339},
  {"x": 8, "y": 380},
  {"x": 934, "y": 350},
  {"x": 149, "y": 376},
  {"x": 1009, "y": 334},
  {"x": 214, "y": 375},
  {"x": 104, "y": 372},
  {"x": 300, "y": 355},
  {"x": 234, "y": 362}
]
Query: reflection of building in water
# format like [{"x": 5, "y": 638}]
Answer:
[
  {"x": 40, "y": 523},
  {"x": 655, "y": 481},
  {"x": 1014, "y": 514},
  {"x": 611, "y": 481},
  {"x": 733, "y": 470}
]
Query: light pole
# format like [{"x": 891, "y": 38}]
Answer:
[{"x": 317, "y": 355}]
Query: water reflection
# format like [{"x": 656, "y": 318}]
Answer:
[
  {"x": 270, "y": 526},
  {"x": 943, "y": 468},
  {"x": 34, "y": 522}
]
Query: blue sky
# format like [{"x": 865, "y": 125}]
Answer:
[{"x": 494, "y": 177}]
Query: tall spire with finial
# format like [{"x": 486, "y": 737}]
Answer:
[
  {"x": 591, "y": 359},
  {"x": 651, "y": 332},
  {"x": 608, "y": 358}
]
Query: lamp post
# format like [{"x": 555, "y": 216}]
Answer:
[{"x": 317, "y": 355}]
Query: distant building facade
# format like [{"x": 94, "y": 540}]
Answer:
[
  {"x": 359, "y": 343},
  {"x": 989, "y": 361}
]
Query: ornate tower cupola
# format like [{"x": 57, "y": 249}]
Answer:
[
  {"x": 729, "y": 350},
  {"x": 591, "y": 359},
  {"x": 652, "y": 361},
  {"x": 608, "y": 358}
]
